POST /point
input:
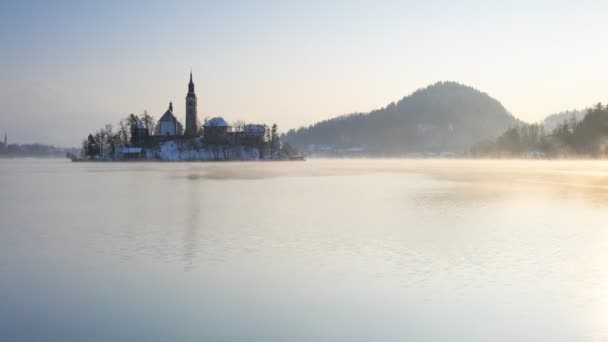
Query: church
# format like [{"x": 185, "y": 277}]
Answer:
[
  {"x": 216, "y": 139},
  {"x": 168, "y": 123},
  {"x": 214, "y": 131}
]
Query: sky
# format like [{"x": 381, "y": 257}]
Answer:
[{"x": 69, "y": 67}]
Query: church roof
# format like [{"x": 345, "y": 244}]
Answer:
[
  {"x": 168, "y": 116},
  {"x": 216, "y": 122}
]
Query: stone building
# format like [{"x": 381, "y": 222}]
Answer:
[
  {"x": 215, "y": 131},
  {"x": 140, "y": 134},
  {"x": 252, "y": 134}
]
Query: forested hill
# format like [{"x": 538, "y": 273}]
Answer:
[{"x": 443, "y": 117}]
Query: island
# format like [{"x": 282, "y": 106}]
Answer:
[{"x": 141, "y": 138}]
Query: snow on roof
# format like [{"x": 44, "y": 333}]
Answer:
[
  {"x": 254, "y": 128},
  {"x": 216, "y": 122},
  {"x": 168, "y": 116},
  {"x": 141, "y": 125}
]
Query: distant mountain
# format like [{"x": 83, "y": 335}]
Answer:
[
  {"x": 552, "y": 121},
  {"x": 443, "y": 117}
]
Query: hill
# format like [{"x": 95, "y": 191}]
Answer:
[{"x": 443, "y": 117}]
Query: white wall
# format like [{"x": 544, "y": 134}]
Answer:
[{"x": 167, "y": 128}]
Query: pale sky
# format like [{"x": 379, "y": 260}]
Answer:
[{"x": 68, "y": 67}]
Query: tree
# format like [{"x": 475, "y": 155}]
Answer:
[
  {"x": 227, "y": 152},
  {"x": 132, "y": 122},
  {"x": 111, "y": 140},
  {"x": 274, "y": 139},
  {"x": 92, "y": 149},
  {"x": 84, "y": 152},
  {"x": 589, "y": 135},
  {"x": 99, "y": 142},
  {"x": 149, "y": 122},
  {"x": 180, "y": 147},
  {"x": 287, "y": 150},
  {"x": 215, "y": 148},
  {"x": 124, "y": 132},
  {"x": 265, "y": 144},
  {"x": 239, "y": 125}
]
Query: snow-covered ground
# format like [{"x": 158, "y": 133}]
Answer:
[{"x": 183, "y": 150}]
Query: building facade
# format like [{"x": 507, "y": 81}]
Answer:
[
  {"x": 140, "y": 134},
  {"x": 253, "y": 134},
  {"x": 168, "y": 124},
  {"x": 215, "y": 131}
]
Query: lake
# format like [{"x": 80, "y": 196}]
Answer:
[{"x": 322, "y": 250}]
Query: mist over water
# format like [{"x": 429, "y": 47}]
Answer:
[{"x": 324, "y": 250}]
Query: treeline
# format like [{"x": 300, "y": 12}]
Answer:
[
  {"x": 586, "y": 138},
  {"x": 35, "y": 151},
  {"x": 107, "y": 140},
  {"x": 589, "y": 136},
  {"x": 514, "y": 141},
  {"x": 553, "y": 121}
]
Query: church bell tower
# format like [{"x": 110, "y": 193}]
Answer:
[{"x": 191, "y": 118}]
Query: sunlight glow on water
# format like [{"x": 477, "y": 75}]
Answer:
[{"x": 323, "y": 250}]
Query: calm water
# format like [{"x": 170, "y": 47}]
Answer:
[{"x": 314, "y": 251}]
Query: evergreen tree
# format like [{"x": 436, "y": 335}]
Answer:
[
  {"x": 92, "y": 149},
  {"x": 274, "y": 139}
]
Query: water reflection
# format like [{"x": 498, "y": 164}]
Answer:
[
  {"x": 589, "y": 178},
  {"x": 193, "y": 225},
  {"x": 321, "y": 250}
]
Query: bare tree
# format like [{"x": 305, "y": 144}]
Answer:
[
  {"x": 216, "y": 151},
  {"x": 110, "y": 140},
  {"x": 238, "y": 125},
  {"x": 149, "y": 122},
  {"x": 228, "y": 152},
  {"x": 180, "y": 147},
  {"x": 124, "y": 132}
]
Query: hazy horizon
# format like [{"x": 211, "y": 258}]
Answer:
[{"x": 68, "y": 68}]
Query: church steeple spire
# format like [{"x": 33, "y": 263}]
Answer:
[{"x": 191, "y": 84}]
